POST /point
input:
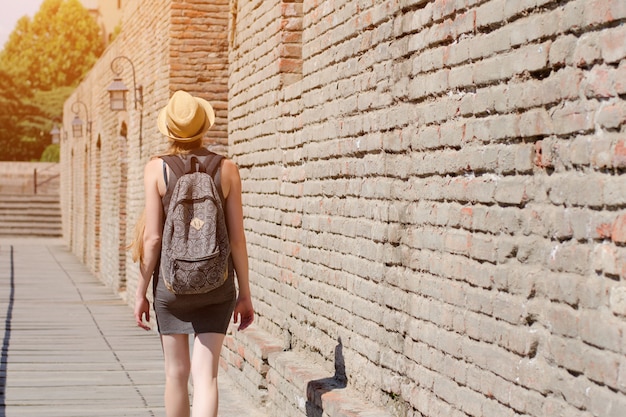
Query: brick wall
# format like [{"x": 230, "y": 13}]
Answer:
[
  {"x": 441, "y": 196},
  {"x": 434, "y": 195},
  {"x": 199, "y": 57}
]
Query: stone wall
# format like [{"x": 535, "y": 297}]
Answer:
[
  {"x": 29, "y": 178},
  {"x": 434, "y": 191},
  {"x": 441, "y": 198}
]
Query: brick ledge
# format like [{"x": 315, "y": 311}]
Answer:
[{"x": 289, "y": 382}]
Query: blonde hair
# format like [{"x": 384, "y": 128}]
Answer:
[
  {"x": 181, "y": 148},
  {"x": 136, "y": 245}
]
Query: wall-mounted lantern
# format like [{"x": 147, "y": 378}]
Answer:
[
  {"x": 117, "y": 90},
  {"x": 55, "y": 133},
  {"x": 77, "y": 123}
]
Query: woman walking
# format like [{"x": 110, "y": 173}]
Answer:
[{"x": 184, "y": 121}]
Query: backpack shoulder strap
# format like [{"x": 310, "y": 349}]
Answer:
[
  {"x": 211, "y": 166},
  {"x": 177, "y": 167},
  {"x": 176, "y": 164}
]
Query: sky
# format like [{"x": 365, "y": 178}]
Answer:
[{"x": 10, "y": 13}]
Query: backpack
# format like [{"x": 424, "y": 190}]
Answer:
[{"x": 195, "y": 248}]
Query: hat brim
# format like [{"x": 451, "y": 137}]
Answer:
[{"x": 208, "y": 122}]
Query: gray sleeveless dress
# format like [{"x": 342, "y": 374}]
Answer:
[{"x": 194, "y": 313}]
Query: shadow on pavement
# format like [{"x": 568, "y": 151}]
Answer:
[{"x": 7, "y": 337}]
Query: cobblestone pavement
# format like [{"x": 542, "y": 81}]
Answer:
[{"x": 70, "y": 346}]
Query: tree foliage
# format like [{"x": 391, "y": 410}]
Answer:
[
  {"x": 26, "y": 118},
  {"x": 41, "y": 63},
  {"x": 14, "y": 110},
  {"x": 55, "y": 49},
  {"x": 51, "y": 153}
]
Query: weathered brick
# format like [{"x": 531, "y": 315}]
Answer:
[
  {"x": 612, "y": 44},
  {"x": 587, "y": 50},
  {"x": 573, "y": 14},
  {"x": 600, "y": 12},
  {"x": 568, "y": 353},
  {"x": 618, "y": 231},
  {"x": 601, "y": 330},
  {"x": 562, "y": 50},
  {"x": 490, "y": 13},
  {"x": 611, "y": 116},
  {"x": 603, "y": 402},
  {"x": 572, "y": 118},
  {"x": 618, "y": 300},
  {"x": 599, "y": 82}
]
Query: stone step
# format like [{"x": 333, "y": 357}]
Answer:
[
  {"x": 41, "y": 206},
  {"x": 26, "y": 202},
  {"x": 30, "y": 221},
  {"x": 28, "y": 197},
  {"x": 30, "y": 215},
  {"x": 9, "y": 231},
  {"x": 44, "y": 211}
]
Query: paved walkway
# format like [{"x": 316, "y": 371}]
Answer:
[{"x": 70, "y": 347}]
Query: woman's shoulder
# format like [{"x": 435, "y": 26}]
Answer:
[
  {"x": 154, "y": 162},
  {"x": 229, "y": 168},
  {"x": 153, "y": 167},
  {"x": 230, "y": 177}
]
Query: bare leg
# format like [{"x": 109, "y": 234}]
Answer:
[
  {"x": 177, "y": 367},
  {"x": 204, "y": 367}
]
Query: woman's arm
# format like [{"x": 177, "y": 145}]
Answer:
[
  {"x": 231, "y": 187},
  {"x": 151, "y": 238}
]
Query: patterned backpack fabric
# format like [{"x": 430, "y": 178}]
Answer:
[{"x": 195, "y": 247}]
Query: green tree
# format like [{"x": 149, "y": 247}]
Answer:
[
  {"x": 15, "y": 134},
  {"x": 14, "y": 61},
  {"x": 51, "y": 154},
  {"x": 41, "y": 63},
  {"x": 26, "y": 118},
  {"x": 55, "y": 49}
]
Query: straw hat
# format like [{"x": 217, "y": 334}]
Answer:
[{"x": 185, "y": 118}]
